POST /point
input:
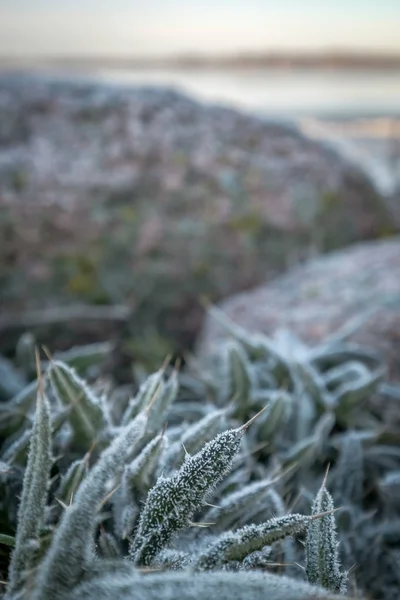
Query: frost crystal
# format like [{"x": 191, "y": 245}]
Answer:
[
  {"x": 322, "y": 558},
  {"x": 172, "y": 502},
  {"x": 238, "y": 544},
  {"x": 34, "y": 495}
]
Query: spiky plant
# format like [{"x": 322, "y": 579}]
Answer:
[{"x": 160, "y": 491}]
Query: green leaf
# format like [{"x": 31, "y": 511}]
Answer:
[
  {"x": 322, "y": 557},
  {"x": 34, "y": 495},
  {"x": 8, "y": 540},
  {"x": 88, "y": 415},
  {"x": 72, "y": 542},
  {"x": 172, "y": 502},
  {"x": 238, "y": 544}
]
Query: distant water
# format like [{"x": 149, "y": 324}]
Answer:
[{"x": 277, "y": 92}]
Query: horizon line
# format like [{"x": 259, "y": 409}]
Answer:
[{"x": 333, "y": 51}]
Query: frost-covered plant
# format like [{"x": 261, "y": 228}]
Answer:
[
  {"x": 163, "y": 476},
  {"x": 172, "y": 502},
  {"x": 33, "y": 499},
  {"x": 322, "y": 557},
  {"x": 71, "y": 567},
  {"x": 327, "y": 405}
]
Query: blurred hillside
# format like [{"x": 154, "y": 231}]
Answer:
[{"x": 143, "y": 198}]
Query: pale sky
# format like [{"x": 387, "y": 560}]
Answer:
[{"x": 159, "y": 27}]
